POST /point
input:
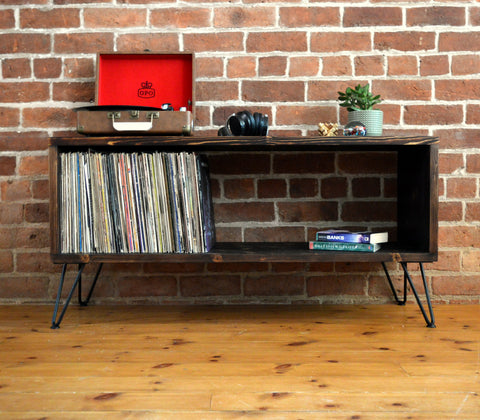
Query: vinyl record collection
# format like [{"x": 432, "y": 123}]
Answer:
[{"x": 147, "y": 202}]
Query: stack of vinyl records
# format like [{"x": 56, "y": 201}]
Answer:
[{"x": 147, "y": 202}]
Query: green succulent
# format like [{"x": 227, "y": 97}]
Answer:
[{"x": 359, "y": 98}]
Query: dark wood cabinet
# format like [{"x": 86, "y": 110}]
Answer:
[{"x": 417, "y": 197}]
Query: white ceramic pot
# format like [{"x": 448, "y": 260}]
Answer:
[{"x": 372, "y": 119}]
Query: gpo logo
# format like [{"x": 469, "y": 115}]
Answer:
[{"x": 146, "y": 91}]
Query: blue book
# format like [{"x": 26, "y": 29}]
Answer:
[
  {"x": 343, "y": 246},
  {"x": 346, "y": 236}
]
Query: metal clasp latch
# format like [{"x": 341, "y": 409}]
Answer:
[{"x": 153, "y": 114}]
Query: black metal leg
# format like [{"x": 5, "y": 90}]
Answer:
[
  {"x": 399, "y": 302},
  {"x": 429, "y": 319},
  {"x": 78, "y": 282},
  {"x": 85, "y": 302}
]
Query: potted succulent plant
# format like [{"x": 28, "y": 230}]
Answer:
[{"x": 359, "y": 102}]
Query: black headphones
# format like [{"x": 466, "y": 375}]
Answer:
[{"x": 245, "y": 123}]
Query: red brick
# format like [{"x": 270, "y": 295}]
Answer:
[
  {"x": 180, "y": 18},
  {"x": 246, "y": 211},
  {"x": 337, "y": 66},
  {"x": 16, "y": 68},
  {"x": 84, "y": 42},
  {"x": 276, "y": 41},
  {"x": 35, "y": 262},
  {"x": 465, "y": 64},
  {"x": 243, "y": 17},
  {"x": 474, "y": 16},
  {"x": 338, "y": 285},
  {"x": 33, "y": 165},
  {"x": 449, "y": 163},
  {"x": 456, "y": 89},
  {"x": 367, "y": 163},
  {"x": 47, "y": 68},
  {"x": 48, "y": 117},
  {"x": 432, "y": 65},
  {"x": 51, "y": 18},
  {"x": 147, "y": 286},
  {"x": 433, "y": 114},
  {"x": 11, "y": 213},
  {"x": 15, "y": 190},
  {"x": 404, "y": 41},
  {"x": 473, "y": 164},
  {"x": 456, "y": 285},
  {"x": 8, "y": 165},
  {"x": 274, "y": 285},
  {"x": 369, "y": 211},
  {"x": 228, "y": 234},
  {"x": 237, "y": 267},
  {"x": 239, "y": 188},
  {"x": 78, "y": 68},
  {"x": 307, "y": 211},
  {"x": 372, "y": 16},
  {"x": 391, "y": 114},
  {"x": 240, "y": 163},
  {"x": 6, "y": 262},
  {"x": 326, "y": 90},
  {"x": 472, "y": 212},
  {"x": 7, "y": 19},
  {"x": 461, "y": 188},
  {"x": 35, "y": 237},
  {"x": 459, "y": 236},
  {"x": 209, "y": 67},
  {"x": 36, "y": 212},
  {"x": 24, "y": 92},
  {"x": 402, "y": 65},
  {"x": 271, "y": 188},
  {"x": 305, "y": 115},
  {"x": 24, "y": 287},
  {"x": 340, "y": 41},
  {"x": 175, "y": 268},
  {"x": 450, "y": 211},
  {"x": 334, "y": 187},
  {"x": 371, "y": 65},
  {"x": 241, "y": 67},
  {"x": 457, "y": 41},
  {"x": 301, "y": 163},
  {"x": 9, "y": 117},
  {"x": 40, "y": 189},
  {"x": 152, "y": 41},
  {"x": 24, "y": 141},
  {"x": 272, "y": 66},
  {"x": 223, "y": 41},
  {"x": 471, "y": 260},
  {"x": 303, "y": 66},
  {"x": 275, "y": 234},
  {"x": 114, "y": 18},
  {"x": 410, "y": 90},
  {"x": 221, "y": 285},
  {"x": 299, "y": 17},
  {"x": 447, "y": 261},
  {"x": 74, "y": 91},
  {"x": 427, "y": 16},
  {"x": 220, "y": 91},
  {"x": 303, "y": 187},
  {"x": 366, "y": 187},
  {"x": 272, "y": 91},
  {"x": 24, "y": 43},
  {"x": 458, "y": 138}
]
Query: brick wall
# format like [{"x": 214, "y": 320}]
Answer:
[{"x": 287, "y": 59}]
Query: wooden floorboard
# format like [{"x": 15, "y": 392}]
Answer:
[{"x": 266, "y": 362}]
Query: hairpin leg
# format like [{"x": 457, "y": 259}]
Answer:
[
  {"x": 78, "y": 282},
  {"x": 429, "y": 318}
]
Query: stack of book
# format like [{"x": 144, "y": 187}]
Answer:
[
  {"x": 148, "y": 202},
  {"x": 344, "y": 240}
]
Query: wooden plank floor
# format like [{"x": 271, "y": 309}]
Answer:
[{"x": 265, "y": 362}]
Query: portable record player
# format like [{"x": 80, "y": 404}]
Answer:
[{"x": 145, "y": 93}]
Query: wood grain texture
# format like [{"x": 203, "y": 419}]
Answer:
[{"x": 267, "y": 362}]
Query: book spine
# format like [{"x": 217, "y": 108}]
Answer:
[
  {"x": 360, "y": 238},
  {"x": 340, "y": 246}
]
